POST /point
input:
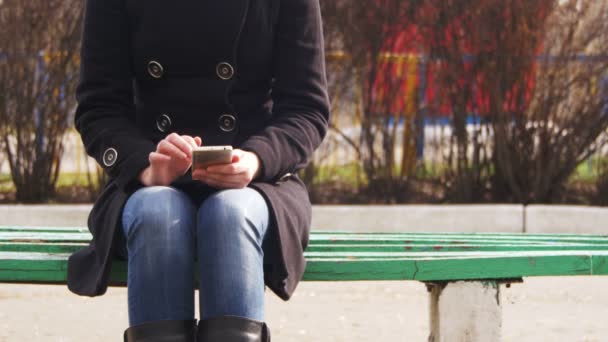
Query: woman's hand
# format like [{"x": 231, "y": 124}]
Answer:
[
  {"x": 173, "y": 158},
  {"x": 244, "y": 168}
]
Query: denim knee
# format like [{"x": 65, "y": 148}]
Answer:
[
  {"x": 164, "y": 213},
  {"x": 233, "y": 212}
]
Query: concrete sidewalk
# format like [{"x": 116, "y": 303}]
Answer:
[{"x": 571, "y": 309}]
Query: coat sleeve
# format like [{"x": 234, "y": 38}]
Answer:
[
  {"x": 105, "y": 113},
  {"x": 299, "y": 92}
]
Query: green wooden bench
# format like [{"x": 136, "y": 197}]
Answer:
[{"x": 462, "y": 271}]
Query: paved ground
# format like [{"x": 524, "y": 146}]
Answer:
[{"x": 540, "y": 309}]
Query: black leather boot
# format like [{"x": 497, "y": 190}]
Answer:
[
  {"x": 162, "y": 331},
  {"x": 232, "y": 329}
]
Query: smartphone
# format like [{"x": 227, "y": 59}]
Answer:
[{"x": 204, "y": 156}]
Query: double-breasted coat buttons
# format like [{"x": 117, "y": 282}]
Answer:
[
  {"x": 109, "y": 157},
  {"x": 163, "y": 123},
  {"x": 155, "y": 69},
  {"x": 284, "y": 177},
  {"x": 224, "y": 70},
  {"x": 227, "y": 122}
]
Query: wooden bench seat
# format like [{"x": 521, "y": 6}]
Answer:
[{"x": 466, "y": 268}]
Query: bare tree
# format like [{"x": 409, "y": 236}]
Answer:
[
  {"x": 365, "y": 33},
  {"x": 537, "y": 65},
  {"x": 478, "y": 50},
  {"x": 538, "y": 149},
  {"x": 521, "y": 80},
  {"x": 38, "y": 73}
]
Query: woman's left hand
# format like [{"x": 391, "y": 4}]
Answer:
[{"x": 244, "y": 168}]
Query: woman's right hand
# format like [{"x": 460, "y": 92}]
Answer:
[{"x": 172, "y": 158}]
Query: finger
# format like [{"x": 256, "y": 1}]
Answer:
[
  {"x": 189, "y": 140},
  {"x": 198, "y": 140},
  {"x": 222, "y": 183},
  {"x": 180, "y": 143},
  {"x": 228, "y": 169},
  {"x": 200, "y": 174},
  {"x": 238, "y": 152},
  {"x": 156, "y": 157},
  {"x": 171, "y": 150},
  {"x": 231, "y": 181}
]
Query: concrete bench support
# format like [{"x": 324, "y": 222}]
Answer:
[{"x": 465, "y": 311}]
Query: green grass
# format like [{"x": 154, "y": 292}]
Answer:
[
  {"x": 588, "y": 171},
  {"x": 72, "y": 178},
  {"x": 352, "y": 173},
  {"x": 346, "y": 173},
  {"x": 431, "y": 170},
  {"x": 65, "y": 179},
  {"x": 6, "y": 184}
]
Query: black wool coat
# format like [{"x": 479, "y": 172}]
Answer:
[{"x": 247, "y": 73}]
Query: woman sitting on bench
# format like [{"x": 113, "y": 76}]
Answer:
[{"x": 159, "y": 79}]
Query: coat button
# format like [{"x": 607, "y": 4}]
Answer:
[
  {"x": 155, "y": 69},
  {"x": 163, "y": 123},
  {"x": 109, "y": 157},
  {"x": 227, "y": 122},
  {"x": 224, "y": 70},
  {"x": 284, "y": 177}
]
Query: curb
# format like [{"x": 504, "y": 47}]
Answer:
[{"x": 505, "y": 218}]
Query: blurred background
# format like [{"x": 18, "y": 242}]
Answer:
[{"x": 433, "y": 101}]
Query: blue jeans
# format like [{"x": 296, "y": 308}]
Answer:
[{"x": 165, "y": 233}]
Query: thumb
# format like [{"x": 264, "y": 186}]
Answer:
[
  {"x": 236, "y": 158},
  {"x": 198, "y": 141}
]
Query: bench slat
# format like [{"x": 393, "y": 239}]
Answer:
[
  {"x": 352, "y": 239},
  {"x": 44, "y": 236},
  {"x": 61, "y": 246},
  {"x": 48, "y": 268},
  {"x": 39, "y": 254},
  {"x": 43, "y": 229},
  {"x": 321, "y": 234}
]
